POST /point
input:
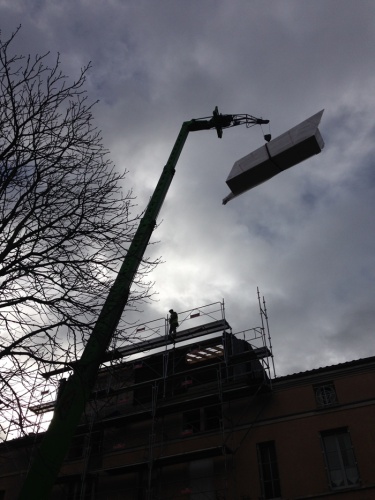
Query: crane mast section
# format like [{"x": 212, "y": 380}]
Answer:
[{"x": 79, "y": 386}]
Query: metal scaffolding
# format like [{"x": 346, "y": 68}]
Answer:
[{"x": 180, "y": 391}]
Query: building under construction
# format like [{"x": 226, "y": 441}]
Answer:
[{"x": 206, "y": 418}]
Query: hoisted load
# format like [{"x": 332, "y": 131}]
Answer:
[{"x": 287, "y": 150}]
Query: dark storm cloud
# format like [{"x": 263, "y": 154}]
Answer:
[{"x": 306, "y": 237}]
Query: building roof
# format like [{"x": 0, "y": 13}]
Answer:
[{"x": 356, "y": 363}]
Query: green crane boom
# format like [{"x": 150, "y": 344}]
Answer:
[{"x": 75, "y": 395}]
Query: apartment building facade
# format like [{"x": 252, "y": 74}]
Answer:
[{"x": 205, "y": 419}]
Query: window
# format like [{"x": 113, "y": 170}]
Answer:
[
  {"x": 212, "y": 416},
  {"x": 325, "y": 394},
  {"x": 268, "y": 470},
  {"x": 340, "y": 460},
  {"x": 192, "y": 421},
  {"x": 96, "y": 439},
  {"x": 77, "y": 447},
  {"x": 74, "y": 488},
  {"x": 201, "y": 420}
]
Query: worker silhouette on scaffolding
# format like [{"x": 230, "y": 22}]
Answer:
[{"x": 173, "y": 324}]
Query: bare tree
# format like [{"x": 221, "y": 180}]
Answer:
[{"x": 64, "y": 223}]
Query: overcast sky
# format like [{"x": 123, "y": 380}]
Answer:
[{"x": 306, "y": 237}]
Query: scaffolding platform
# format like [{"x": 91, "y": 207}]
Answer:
[
  {"x": 181, "y": 336},
  {"x": 43, "y": 408},
  {"x": 153, "y": 343},
  {"x": 179, "y": 458},
  {"x": 255, "y": 353}
]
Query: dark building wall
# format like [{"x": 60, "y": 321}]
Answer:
[{"x": 290, "y": 416}]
